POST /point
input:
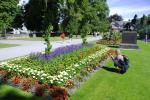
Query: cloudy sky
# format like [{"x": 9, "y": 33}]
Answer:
[{"x": 128, "y": 8}]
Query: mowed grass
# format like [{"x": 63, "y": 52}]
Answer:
[
  {"x": 55, "y": 38},
  {"x": 7, "y": 45},
  {"x": 133, "y": 85}
]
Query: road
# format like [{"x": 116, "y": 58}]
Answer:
[{"x": 27, "y": 47}]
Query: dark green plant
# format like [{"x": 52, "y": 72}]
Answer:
[
  {"x": 8, "y": 11},
  {"x": 46, "y": 37}
]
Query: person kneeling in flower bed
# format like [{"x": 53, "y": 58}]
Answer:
[{"x": 120, "y": 61}]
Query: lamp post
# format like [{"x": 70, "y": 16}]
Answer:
[
  {"x": 146, "y": 32},
  {"x": 45, "y": 3}
]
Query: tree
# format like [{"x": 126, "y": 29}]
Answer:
[
  {"x": 143, "y": 26},
  {"x": 143, "y": 20},
  {"x": 39, "y": 14},
  {"x": 115, "y": 17},
  {"x": 75, "y": 16},
  {"x": 94, "y": 14},
  {"x": 19, "y": 18},
  {"x": 8, "y": 11}
]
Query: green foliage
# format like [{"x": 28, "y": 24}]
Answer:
[
  {"x": 112, "y": 36},
  {"x": 143, "y": 31},
  {"x": 72, "y": 26},
  {"x": 76, "y": 16},
  {"x": 19, "y": 18},
  {"x": 84, "y": 31},
  {"x": 46, "y": 37},
  {"x": 38, "y": 14},
  {"x": 8, "y": 11},
  {"x": 85, "y": 16},
  {"x": 142, "y": 25}
]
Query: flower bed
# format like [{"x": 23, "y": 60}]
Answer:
[
  {"x": 109, "y": 42},
  {"x": 58, "y": 71},
  {"x": 57, "y": 64}
]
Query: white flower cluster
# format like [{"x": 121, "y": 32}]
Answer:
[
  {"x": 56, "y": 79},
  {"x": 39, "y": 75}
]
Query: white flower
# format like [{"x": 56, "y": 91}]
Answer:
[
  {"x": 59, "y": 76},
  {"x": 42, "y": 78},
  {"x": 33, "y": 76},
  {"x": 44, "y": 75},
  {"x": 61, "y": 80},
  {"x": 66, "y": 78},
  {"x": 3, "y": 63},
  {"x": 76, "y": 65},
  {"x": 51, "y": 81}
]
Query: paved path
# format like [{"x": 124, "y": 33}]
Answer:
[{"x": 27, "y": 47}]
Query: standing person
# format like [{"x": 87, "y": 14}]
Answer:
[
  {"x": 62, "y": 36},
  {"x": 120, "y": 61}
]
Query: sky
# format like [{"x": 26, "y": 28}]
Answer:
[{"x": 128, "y": 8}]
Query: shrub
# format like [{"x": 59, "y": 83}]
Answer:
[{"x": 113, "y": 38}]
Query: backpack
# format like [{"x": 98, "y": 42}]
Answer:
[{"x": 126, "y": 59}]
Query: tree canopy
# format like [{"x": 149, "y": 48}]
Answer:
[
  {"x": 8, "y": 11},
  {"x": 67, "y": 15}
]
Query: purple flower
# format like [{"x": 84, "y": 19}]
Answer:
[
  {"x": 60, "y": 50},
  {"x": 57, "y": 52}
]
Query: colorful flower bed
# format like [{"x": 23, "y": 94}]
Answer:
[{"x": 59, "y": 71}]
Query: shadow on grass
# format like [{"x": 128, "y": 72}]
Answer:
[{"x": 111, "y": 69}]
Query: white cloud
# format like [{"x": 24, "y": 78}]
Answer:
[
  {"x": 128, "y": 12},
  {"x": 21, "y": 2}
]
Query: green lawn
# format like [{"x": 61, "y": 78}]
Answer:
[
  {"x": 37, "y": 39},
  {"x": 133, "y": 85},
  {"x": 7, "y": 45}
]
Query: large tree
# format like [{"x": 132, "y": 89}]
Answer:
[
  {"x": 40, "y": 13},
  {"x": 85, "y": 12},
  {"x": 8, "y": 11},
  {"x": 73, "y": 16}
]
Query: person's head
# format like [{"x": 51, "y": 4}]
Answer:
[{"x": 117, "y": 51}]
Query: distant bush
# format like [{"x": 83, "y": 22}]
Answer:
[{"x": 143, "y": 31}]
